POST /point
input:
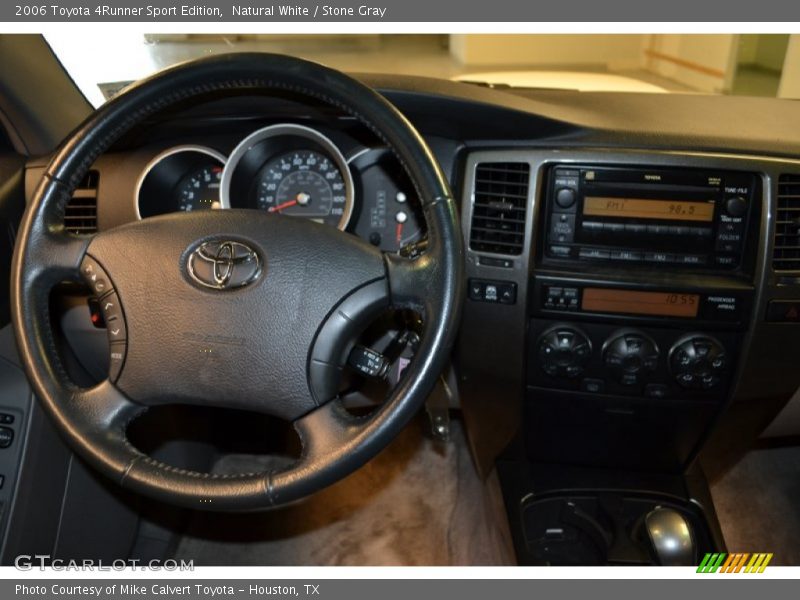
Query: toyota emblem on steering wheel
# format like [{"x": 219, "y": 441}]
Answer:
[{"x": 224, "y": 265}]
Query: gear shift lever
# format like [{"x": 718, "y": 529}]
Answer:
[{"x": 671, "y": 537}]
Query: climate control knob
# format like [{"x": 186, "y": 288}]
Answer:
[
  {"x": 564, "y": 351},
  {"x": 697, "y": 362},
  {"x": 630, "y": 355}
]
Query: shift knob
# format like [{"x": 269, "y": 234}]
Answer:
[{"x": 671, "y": 537}]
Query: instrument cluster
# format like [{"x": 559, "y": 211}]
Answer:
[{"x": 293, "y": 170}]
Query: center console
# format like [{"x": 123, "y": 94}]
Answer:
[{"x": 616, "y": 301}]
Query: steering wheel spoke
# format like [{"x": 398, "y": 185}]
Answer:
[
  {"x": 105, "y": 404},
  {"x": 411, "y": 281},
  {"x": 328, "y": 433},
  {"x": 57, "y": 257}
]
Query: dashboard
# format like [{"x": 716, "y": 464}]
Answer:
[
  {"x": 632, "y": 261},
  {"x": 291, "y": 169}
]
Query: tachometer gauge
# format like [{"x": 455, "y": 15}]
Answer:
[
  {"x": 199, "y": 189},
  {"x": 304, "y": 184},
  {"x": 183, "y": 178}
]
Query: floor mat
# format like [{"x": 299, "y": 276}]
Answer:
[
  {"x": 419, "y": 502},
  {"x": 758, "y": 504}
]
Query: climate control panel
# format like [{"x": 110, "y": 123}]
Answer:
[{"x": 648, "y": 362}]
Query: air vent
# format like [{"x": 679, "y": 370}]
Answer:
[
  {"x": 80, "y": 215},
  {"x": 498, "y": 211},
  {"x": 787, "y": 225}
]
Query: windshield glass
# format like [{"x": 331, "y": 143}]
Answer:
[{"x": 753, "y": 64}]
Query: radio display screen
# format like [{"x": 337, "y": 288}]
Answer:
[
  {"x": 664, "y": 304},
  {"x": 638, "y": 208}
]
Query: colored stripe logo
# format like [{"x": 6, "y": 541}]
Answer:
[{"x": 739, "y": 562}]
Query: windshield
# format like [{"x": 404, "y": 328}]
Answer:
[{"x": 752, "y": 65}]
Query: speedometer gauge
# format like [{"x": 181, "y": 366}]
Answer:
[
  {"x": 291, "y": 170},
  {"x": 304, "y": 184}
]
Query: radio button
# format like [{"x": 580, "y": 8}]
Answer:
[
  {"x": 657, "y": 229},
  {"x": 566, "y": 179},
  {"x": 691, "y": 259},
  {"x": 613, "y": 227},
  {"x": 699, "y": 231},
  {"x": 567, "y": 172},
  {"x": 678, "y": 230},
  {"x": 726, "y": 261},
  {"x": 723, "y": 218},
  {"x": 659, "y": 257},
  {"x": 592, "y": 226},
  {"x": 565, "y": 197},
  {"x": 730, "y": 228},
  {"x": 560, "y": 251},
  {"x": 627, "y": 255},
  {"x": 636, "y": 228},
  {"x": 725, "y": 246},
  {"x": 562, "y": 228},
  {"x": 736, "y": 206},
  {"x": 594, "y": 254}
]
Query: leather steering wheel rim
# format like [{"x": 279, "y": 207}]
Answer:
[{"x": 334, "y": 443}]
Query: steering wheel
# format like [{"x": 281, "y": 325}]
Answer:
[{"x": 233, "y": 308}]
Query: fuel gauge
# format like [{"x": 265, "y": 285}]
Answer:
[{"x": 390, "y": 214}]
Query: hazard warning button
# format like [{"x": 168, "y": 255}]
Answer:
[{"x": 784, "y": 311}]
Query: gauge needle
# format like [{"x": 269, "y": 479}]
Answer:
[
  {"x": 399, "y": 232},
  {"x": 302, "y": 199},
  {"x": 280, "y": 207}
]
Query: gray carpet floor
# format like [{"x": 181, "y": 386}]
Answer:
[
  {"x": 419, "y": 502},
  {"x": 758, "y": 504}
]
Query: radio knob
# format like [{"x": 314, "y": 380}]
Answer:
[
  {"x": 697, "y": 362},
  {"x": 564, "y": 352},
  {"x": 565, "y": 197},
  {"x": 630, "y": 355},
  {"x": 736, "y": 206}
]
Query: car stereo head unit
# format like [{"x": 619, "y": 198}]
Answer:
[{"x": 671, "y": 217}]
